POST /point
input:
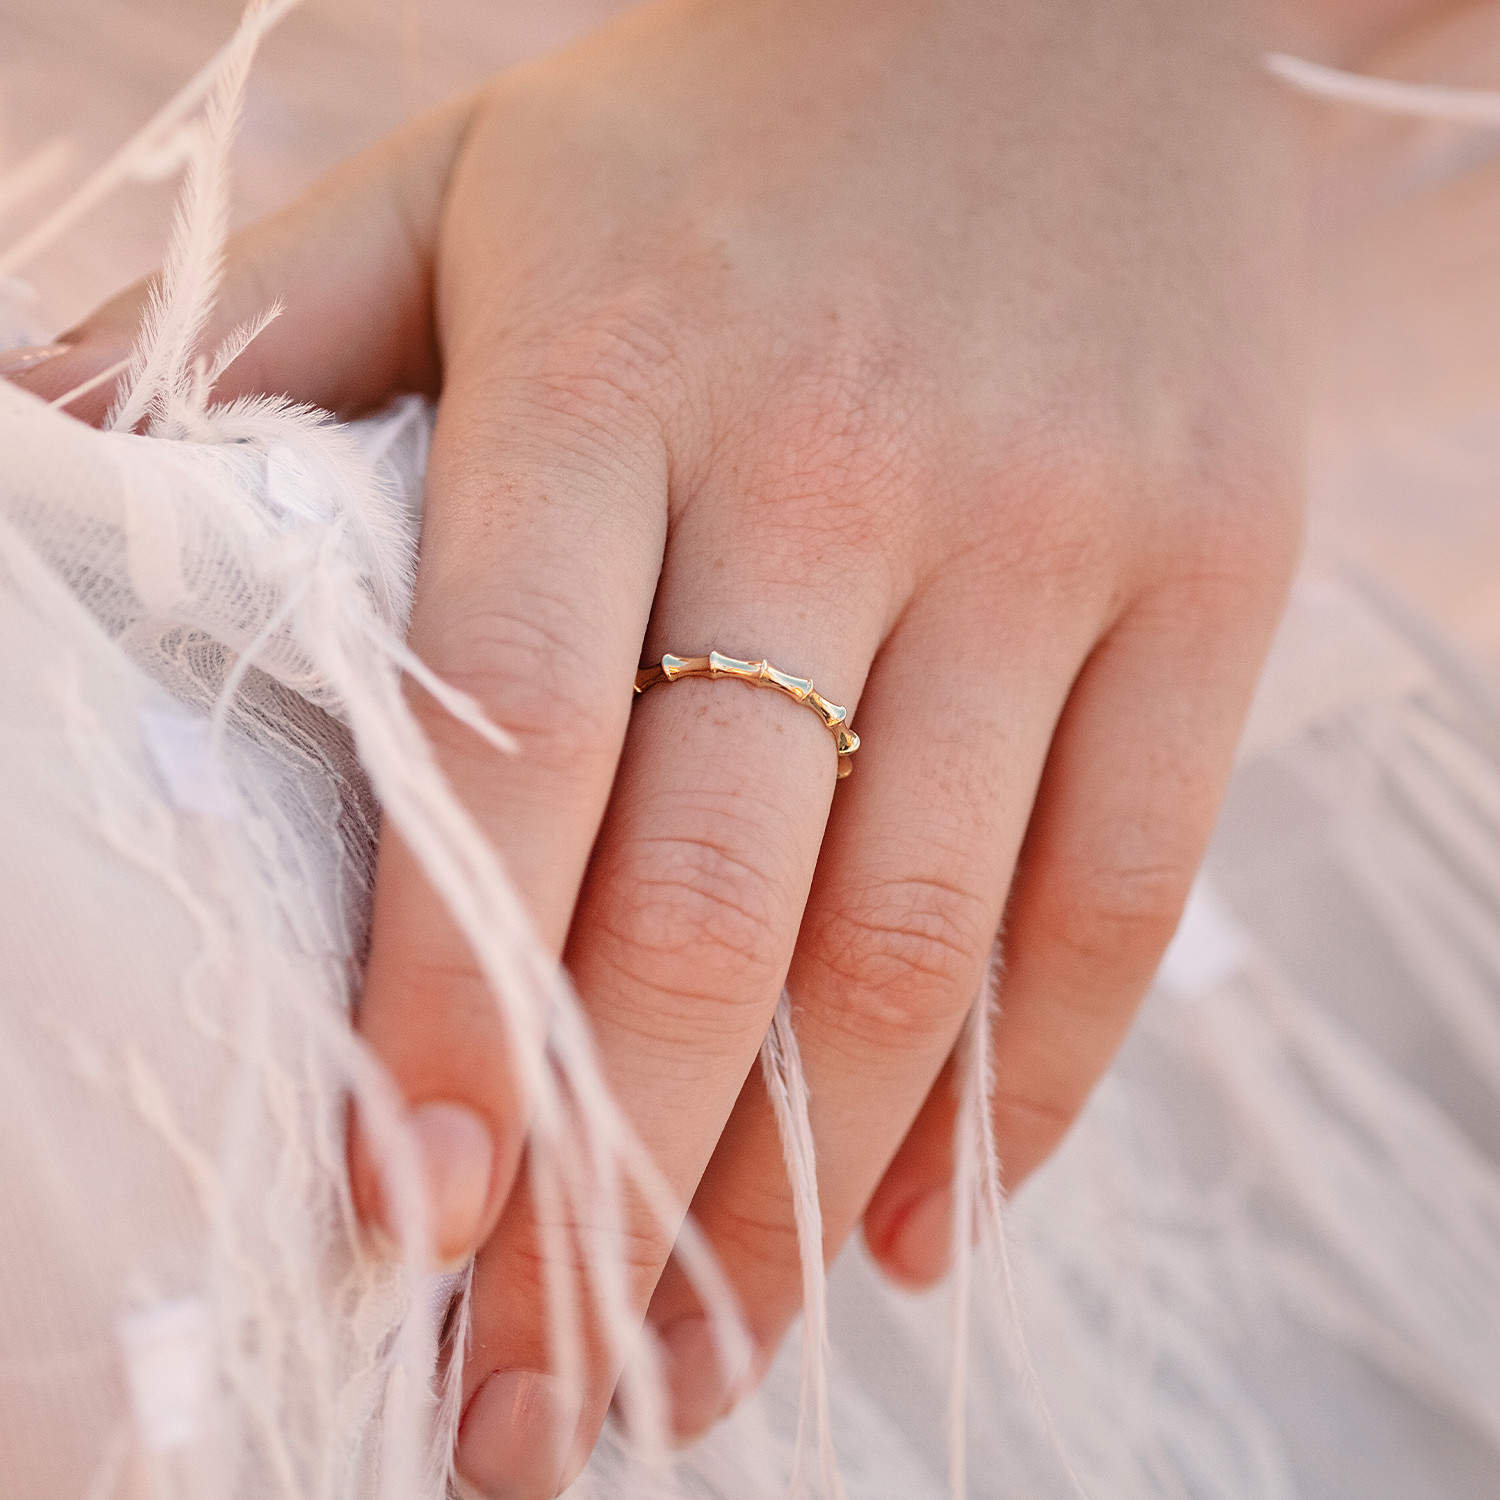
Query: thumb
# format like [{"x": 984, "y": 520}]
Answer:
[{"x": 351, "y": 262}]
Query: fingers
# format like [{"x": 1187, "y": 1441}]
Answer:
[
  {"x": 1126, "y": 805},
  {"x": 687, "y": 919},
  {"x": 542, "y": 537},
  {"x": 351, "y": 264},
  {"x": 956, "y": 721},
  {"x": 685, "y": 927}
]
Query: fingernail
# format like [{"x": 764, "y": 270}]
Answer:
[
  {"x": 701, "y": 1380},
  {"x": 458, "y": 1159},
  {"x": 921, "y": 1246},
  {"x": 22, "y": 361},
  {"x": 517, "y": 1436}
]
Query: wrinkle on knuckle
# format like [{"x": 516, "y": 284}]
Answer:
[
  {"x": 1028, "y": 1127},
  {"x": 1115, "y": 919},
  {"x": 694, "y": 914},
  {"x": 678, "y": 1017},
  {"x": 764, "y": 1238},
  {"x": 839, "y": 438},
  {"x": 533, "y": 672},
  {"x": 1091, "y": 501},
  {"x": 826, "y": 458},
  {"x": 452, "y": 985},
  {"x": 612, "y": 368},
  {"x": 530, "y": 1268},
  {"x": 902, "y": 958},
  {"x": 1054, "y": 527}
]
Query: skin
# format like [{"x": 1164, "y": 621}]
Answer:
[{"x": 940, "y": 351}]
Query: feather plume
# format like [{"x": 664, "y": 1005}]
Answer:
[
  {"x": 159, "y": 383},
  {"x": 1425, "y": 101},
  {"x": 238, "y": 341}
]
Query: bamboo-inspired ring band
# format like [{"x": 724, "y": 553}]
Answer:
[{"x": 759, "y": 674}]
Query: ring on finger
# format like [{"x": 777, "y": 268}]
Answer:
[{"x": 759, "y": 674}]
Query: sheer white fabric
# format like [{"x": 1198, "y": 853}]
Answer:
[{"x": 1266, "y": 1264}]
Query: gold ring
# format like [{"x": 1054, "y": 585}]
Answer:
[{"x": 759, "y": 674}]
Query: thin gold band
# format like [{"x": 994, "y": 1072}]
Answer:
[{"x": 759, "y": 674}]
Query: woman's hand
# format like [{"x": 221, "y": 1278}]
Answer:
[{"x": 933, "y": 349}]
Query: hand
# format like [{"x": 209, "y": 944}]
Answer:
[{"x": 939, "y": 352}]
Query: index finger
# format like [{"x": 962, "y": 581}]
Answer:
[{"x": 542, "y": 539}]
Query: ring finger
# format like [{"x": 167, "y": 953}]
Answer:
[{"x": 679, "y": 948}]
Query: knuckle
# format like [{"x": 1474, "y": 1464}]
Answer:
[
  {"x": 1100, "y": 492},
  {"x": 1255, "y": 539},
  {"x": 431, "y": 984},
  {"x": 1238, "y": 532},
  {"x": 1239, "y": 520},
  {"x": 760, "y": 1237},
  {"x": 902, "y": 958},
  {"x": 1117, "y": 918},
  {"x": 695, "y": 915},
  {"x": 1039, "y": 1115},
  {"x": 842, "y": 435},
  {"x": 1061, "y": 512},
  {"x": 1028, "y": 1128},
  {"x": 835, "y": 447},
  {"x": 531, "y": 1266},
  {"x": 615, "y": 362},
  {"x": 529, "y": 665}
]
